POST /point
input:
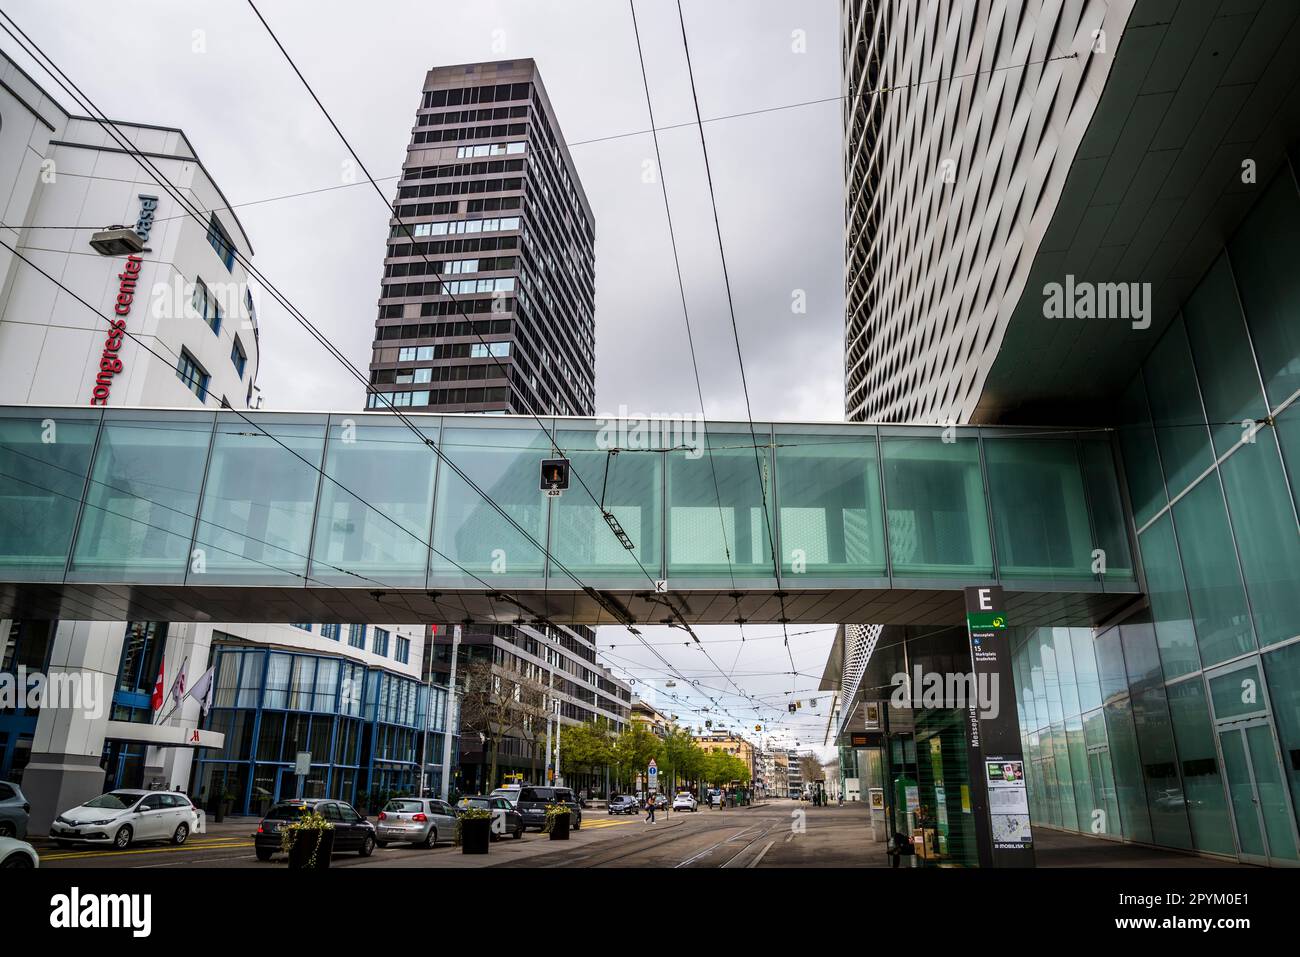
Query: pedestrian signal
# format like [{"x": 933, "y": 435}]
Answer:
[{"x": 555, "y": 475}]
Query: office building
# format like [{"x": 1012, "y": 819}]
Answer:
[{"x": 488, "y": 293}]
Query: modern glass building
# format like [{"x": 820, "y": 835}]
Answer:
[
  {"x": 1143, "y": 156},
  {"x": 364, "y": 728}
]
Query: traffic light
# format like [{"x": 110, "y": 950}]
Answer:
[{"x": 555, "y": 475}]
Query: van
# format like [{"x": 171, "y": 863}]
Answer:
[{"x": 533, "y": 802}]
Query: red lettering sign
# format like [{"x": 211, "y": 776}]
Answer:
[{"x": 109, "y": 362}]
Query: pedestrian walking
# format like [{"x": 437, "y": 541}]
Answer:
[{"x": 650, "y": 809}]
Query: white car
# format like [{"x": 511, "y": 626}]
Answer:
[
  {"x": 15, "y": 853},
  {"x": 685, "y": 802},
  {"x": 126, "y": 816}
]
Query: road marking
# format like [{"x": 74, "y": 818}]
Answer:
[
  {"x": 712, "y": 847},
  {"x": 789, "y": 837},
  {"x": 767, "y": 847},
  {"x": 221, "y": 845}
]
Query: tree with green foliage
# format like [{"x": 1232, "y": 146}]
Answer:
[
  {"x": 683, "y": 758},
  {"x": 633, "y": 751},
  {"x": 588, "y": 746}
]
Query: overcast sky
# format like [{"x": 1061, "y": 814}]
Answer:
[{"x": 209, "y": 68}]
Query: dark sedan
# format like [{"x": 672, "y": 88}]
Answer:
[
  {"x": 624, "y": 804},
  {"x": 505, "y": 819},
  {"x": 352, "y": 832}
]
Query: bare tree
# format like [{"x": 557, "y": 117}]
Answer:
[
  {"x": 810, "y": 767},
  {"x": 488, "y": 707},
  {"x": 532, "y": 709}
]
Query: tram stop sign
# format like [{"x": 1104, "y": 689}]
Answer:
[{"x": 555, "y": 475}]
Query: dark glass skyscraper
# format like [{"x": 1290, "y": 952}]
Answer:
[{"x": 490, "y": 227}]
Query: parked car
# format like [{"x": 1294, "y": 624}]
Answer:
[
  {"x": 685, "y": 801},
  {"x": 127, "y": 816},
  {"x": 505, "y": 819},
  {"x": 17, "y": 854},
  {"x": 352, "y": 832},
  {"x": 510, "y": 792},
  {"x": 624, "y": 804},
  {"x": 420, "y": 821},
  {"x": 13, "y": 811},
  {"x": 661, "y": 801},
  {"x": 533, "y": 802}
]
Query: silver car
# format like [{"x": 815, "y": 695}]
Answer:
[
  {"x": 13, "y": 811},
  {"x": 123, "y": 817},
  {"x": 422, "y": 821}
]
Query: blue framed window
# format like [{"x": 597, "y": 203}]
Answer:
[
  {"x": 380, "y": 646},
  {"x": 220, "y": 241},
  {"x": 193, "y": 375},
  {"x": 357, "y": 636},
  {"x": 404, "y": 650},
  {"x": 330, "y": 631},
  {"x": 205, "y": 304},
  {"x": 248, "y": 304},
  {"x": 238, "y": 357},
  {"x": 303, "y": 625}
]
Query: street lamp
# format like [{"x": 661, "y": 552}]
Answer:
[{"x": 117, "y": 241}]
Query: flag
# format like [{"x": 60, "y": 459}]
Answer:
[
  {"x": 156, "y": 701},
  {"x": 202, "y": 690},
  {"x": 177, "y": 691}
]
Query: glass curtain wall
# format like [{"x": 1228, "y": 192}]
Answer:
[{"x": 1190, "y": 734}]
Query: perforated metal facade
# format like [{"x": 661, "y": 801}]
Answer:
[{"x": 961, "y": 123}]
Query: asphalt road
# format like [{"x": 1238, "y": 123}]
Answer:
[{"x": 777, "y": 833}]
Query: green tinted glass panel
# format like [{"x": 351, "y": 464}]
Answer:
[
  {"x": 504, "y": 465},
  {"x": 1221, "y": 349},
  {"x": 44, "y": 457},
  {"x": 1085, "y": 668},
  {"x": 631, "y": 485},
  {"x": 258, "y": 503},
  {"x": 1268, "y": 540},
  {"x": 1274, "y": 797},
  {"x": 1065, "y": 671},
  {"x": 1219, "y": 613},
  {"x": 1051, "y": 678},
  {"x": 1245, "y": 808},
  {"x": 832, "y": 517},
  {"x": 1040, "y": 514},
  {"x": 1207, "y": 807},
  {"x": 720, "y": 530},
  {"x": 1288, "y": 437},
  {"x": 1237, "y": 693},
  {"x": 144, "y": 491},
  {"x": 938, "y": 523},
  {"x": 1282, "y": 666},
  {"x": 373, "y": 521},
  {"x": 1080, "y": 772},
  {"x": 1126, "y": 762},
  {"x": 1168, "y": 593},
  {"x": 1110, "y": 664},
  {"x": 1264, "y": 254},
  {"x": 1137, "y": 440},
  {"x": 1181, "y": 432},
  {"x": 1110, "y": 529}
]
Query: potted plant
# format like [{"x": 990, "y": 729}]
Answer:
[
  {"x": 474, "y": 830},
  {"x": 557, "y": 822},
  {"x": 308, "y": 841}
]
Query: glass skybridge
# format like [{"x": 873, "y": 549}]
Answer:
[{"x": 129, "y": 514}]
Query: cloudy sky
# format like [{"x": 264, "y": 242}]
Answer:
[{"x": 209, "y": 68}]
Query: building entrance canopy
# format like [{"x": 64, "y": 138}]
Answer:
[{"x": 129, "y": 514}]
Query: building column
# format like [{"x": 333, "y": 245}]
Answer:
[{"x": 68, "y": 743}]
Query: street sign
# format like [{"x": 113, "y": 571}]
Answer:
[
  {"x": 653, "y": 774},
  {"x": 994, "y": 751}
]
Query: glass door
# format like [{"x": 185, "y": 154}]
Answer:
[{"x": 1261, "y": 806}]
